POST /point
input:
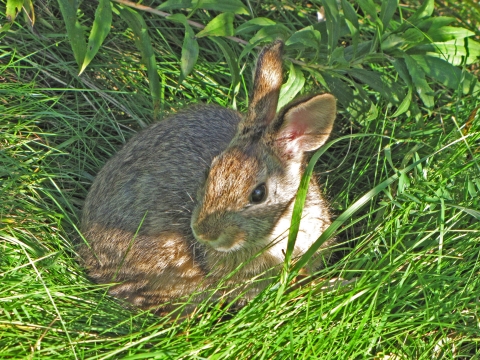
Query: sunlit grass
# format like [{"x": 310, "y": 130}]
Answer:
[{"x": 409, "y": 258}]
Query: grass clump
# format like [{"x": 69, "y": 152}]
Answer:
[{"x": 408, "y": 258}]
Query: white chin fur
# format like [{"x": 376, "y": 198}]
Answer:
[
  {"x": 227, "y": 249},
  {"x": 224, "y": 244}
]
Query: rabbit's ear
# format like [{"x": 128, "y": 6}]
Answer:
[
  {"x": 266, "y": 87},
  {"x": 305, "y": 125}
]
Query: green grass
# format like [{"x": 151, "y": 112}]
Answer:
[{"x": 410, "y": 255}]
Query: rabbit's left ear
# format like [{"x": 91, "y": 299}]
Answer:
[
  {"x": 305, "y": 125},
  {"x": 267, "y": 81}
]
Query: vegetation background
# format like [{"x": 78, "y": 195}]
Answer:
[{"x": 402, "y": 171}]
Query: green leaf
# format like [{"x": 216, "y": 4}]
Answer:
[
  {"x": 350, "y": 13},
  {"x": 413, "y": 36},
  {"x": 389, "y": 7},
  {"x": 143, "y": 42},
  {"x": 221, "y": 25},
  {"x": 332, "y": 21},
  {"x": 100, "y": 29},
  {"x": 307, "y": 37},
  {"x": 338, "y": 57},
  {"x": 447, "y": 74},
  {"x": 384, "y": 85},
  {"x": 342, "y": 92},
  {"x": 369, "y": 8},
  {"x": 425, "y": 10},
  {"x": 457, "y": 52},
  {"x": 29, "y": 12},
  {"x": 12, "y": 10},
  {"x": 270, "y": 33},
  {"x": 355, "y": 102},
  {"x": 392, "y": 42},
  {"x": 189, "y": 53},
  {"x": 351, "y": 20},
  {"x": 447, "y": 33},
  {"x": 233, "y": 6},
  {"x": 75, "y": 32},
  {"x": 418, "y": 77},
  {"x": 402, "y": 70},
  {"x": 253, "y": 25},
  {"x": 175, "y": 4},
  {"x": 472, "y": 212},
  {"x": 433, "y": 23},
  {"x": 180, "y": 18},
  {"x": 405, "y": 104},
  {"x": 292, "y": 87},
  {"x": 231, "y": 59}
]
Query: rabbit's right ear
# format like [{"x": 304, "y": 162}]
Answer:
[
  {"x": 267, "y": 81},
  {"x": 304, "y": 125}
]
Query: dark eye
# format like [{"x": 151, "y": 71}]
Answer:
[{"x": 258, "y": 194}]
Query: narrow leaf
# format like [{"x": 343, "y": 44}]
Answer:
[
  {"x": 233, "y": 6},
  {"x": 402, "y": 70},
  {"x": 29, "y": 11},
  {"x": 180, "y": 18},
  {"x": 384, "y": 85},
  {"x": 350, "y": 13},
  {"x": 221, "y": 25},
  {"x": 175, "y": 4},
  {"x": 457, "y": 52},
  {"x": 75, "y": 33},
  {"x": 189, "y": 53},
  {"x": 447, "y": 33},
  {"x": 270, "y": 33},
  {"x": 351, "y": 19},
  {"x": 413, "y": 36},
  {"x": 405, "y": 104},
  {"x": 418, "y": 77},
  {"x": 433, "y": 23},
  {"x": 369, "y": 8},
  {"x": 292, "y": 87},
  {"x": 425, "y": 10},
  {"x": 142, "y": 40},
  {"x": 100, "y": 29},
  {"x": 386, "y": 13},
  {"x": 447, "y": 74},
  {"x": 333, "y": 26},
  {"x": 307, "y": 37},
  {"x": 253, "y": 25},
  {"x": 472, "y": 212},
  {"x": 13, "y": 8},
  {"x": 231, "y": 59}
]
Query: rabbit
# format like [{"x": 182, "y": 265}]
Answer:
[{"x": 205, "y": 197}]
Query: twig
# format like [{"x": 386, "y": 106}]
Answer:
[
  {"x": 166, "y": 15},
  {"x": 201, "y": 26}
]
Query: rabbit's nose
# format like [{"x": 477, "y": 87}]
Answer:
[{"x": 204, "y": 235}]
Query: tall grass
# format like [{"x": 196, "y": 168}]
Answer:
[{"x": 409, "y": 258}]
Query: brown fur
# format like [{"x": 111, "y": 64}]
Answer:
[{"x": 161, "y": 230}]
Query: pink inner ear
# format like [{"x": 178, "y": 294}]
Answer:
[
  {"x": 297, "y": 125},
  {"x": 293, "y": 130},
  {"x": 307, "y": 125}
]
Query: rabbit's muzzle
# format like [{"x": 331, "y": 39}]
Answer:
[{"x": 213, "y": 232}]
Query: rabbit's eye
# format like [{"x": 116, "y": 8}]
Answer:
[{"x": 258, "y": 194}]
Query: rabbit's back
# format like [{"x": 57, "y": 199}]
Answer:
[
  {"x": 137, "y": 214},
  {"x": 159, "y": 171}
]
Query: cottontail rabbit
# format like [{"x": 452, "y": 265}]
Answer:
[{"x": 192, "y": 198}]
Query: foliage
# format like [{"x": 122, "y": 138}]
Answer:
[
  {"x": 418, "y": 46},
  {"x": 402, "y": 173}
]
